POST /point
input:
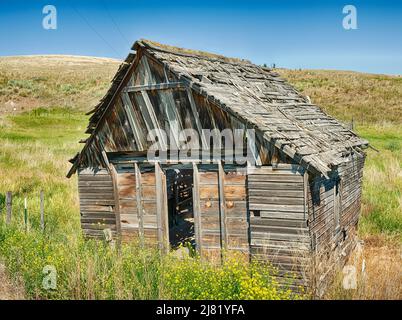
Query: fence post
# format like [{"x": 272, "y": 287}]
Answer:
[
  {"x": 26, "y": 214},
  {"x": 9, "y": 204},
  {"x": 42, "y": 210}
]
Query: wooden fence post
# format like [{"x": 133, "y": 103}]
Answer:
[
  {"x": 9, "y": 204},
  {"x": 42, "y": 210},
  {"x": 26, "y": 214}
]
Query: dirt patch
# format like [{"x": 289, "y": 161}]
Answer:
[
  {"x": 8, "y": 289},
  {"x": 13, "y": 107}
]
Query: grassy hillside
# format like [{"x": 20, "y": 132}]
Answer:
[
  {"x": 42, "y": 100},
  {"x": 368, "y": 98},
  {"x": 75, "y": 82}
]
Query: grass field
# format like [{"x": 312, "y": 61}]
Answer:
[{"x": 41, "y": 121}]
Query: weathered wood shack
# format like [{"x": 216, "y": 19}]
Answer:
[{"x": 298, "y": 199}]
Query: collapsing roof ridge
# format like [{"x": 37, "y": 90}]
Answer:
[{"x": 185, "y": 52}]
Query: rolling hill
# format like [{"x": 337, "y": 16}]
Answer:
[{"x": 28, "y": 82}]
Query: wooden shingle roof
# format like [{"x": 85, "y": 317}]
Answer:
[{"x": 261, "y": 98}]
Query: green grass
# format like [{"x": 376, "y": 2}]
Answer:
[
  {"x": 50, "y": 126},
  {"x": 33, "y": 157},
  {"x": 382, "y": 183}
]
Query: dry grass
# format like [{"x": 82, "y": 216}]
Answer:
[
  {"x": 368, "y": 98},
  {"x": 203, "y": 54},
  {"x": 28, "y": 82},
  {"x": 378, "y": 273}
]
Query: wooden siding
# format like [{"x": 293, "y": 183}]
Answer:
[
  {"x": 331, "y": 243},
  {"x": 222, "y": 218},
  {"x": 235, "y": 206},
  {"x": 278, "y": 219},
  {"x": 137, "y": 219},
  {"x": 321, "y": 204},
  {"x": 351, "y": 193},
  {"x": 321, "y": 211},
  {"x": 97, "y": 203}
]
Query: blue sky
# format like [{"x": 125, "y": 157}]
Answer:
[{"x": 292, "y": 34}]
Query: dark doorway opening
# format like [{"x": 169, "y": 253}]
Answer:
[{"x": 180, "y": 207}]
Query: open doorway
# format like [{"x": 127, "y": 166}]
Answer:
[{"x": 180, "y": 207}]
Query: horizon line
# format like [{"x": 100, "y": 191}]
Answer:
[{"x": 398, "y": 75}]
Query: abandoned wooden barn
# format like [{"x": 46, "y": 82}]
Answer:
[{"x": 301, "y": 194}]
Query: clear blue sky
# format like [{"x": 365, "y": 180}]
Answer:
[{"x": 292, "y": 34}]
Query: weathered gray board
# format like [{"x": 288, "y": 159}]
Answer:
[
  {"x": 102, "y": 205},
  {"x": 137, "y": 203},
  {"x": 220, "y": 210},
  {"x": 331, "y": 243},
  {"x": 97, "y": 205},
  {"x": 278, "y": 218}
]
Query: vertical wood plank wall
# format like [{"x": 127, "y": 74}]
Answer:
[
  {"x": 237, "y": 221},
  {"x": 162, "y": 208},
  {"x": 97, "y": 205},
  {"x": 210, "y": 205},
  {"x": 131, "y": 219},
  {"x": 134, "y": 114},
  {"x": 278, "y": 220},
  {"x": 148, "y": 186},
  {"x": 209, "y": 213}
]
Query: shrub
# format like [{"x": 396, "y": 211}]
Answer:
[{"x": 191, "y": 278}]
